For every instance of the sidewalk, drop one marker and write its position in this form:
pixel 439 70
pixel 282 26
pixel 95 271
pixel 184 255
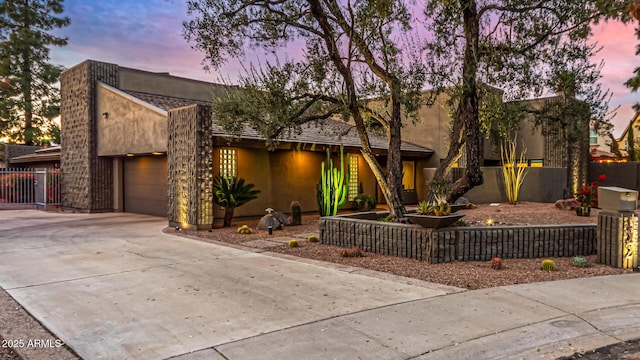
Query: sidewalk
pixel 112 286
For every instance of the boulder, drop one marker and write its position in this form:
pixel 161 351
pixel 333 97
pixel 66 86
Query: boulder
pixel 568 204
pixel 277 220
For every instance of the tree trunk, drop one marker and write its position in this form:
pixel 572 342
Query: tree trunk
pixel 228 215
pixel 466 121
pixel 390 184
pixel 26 87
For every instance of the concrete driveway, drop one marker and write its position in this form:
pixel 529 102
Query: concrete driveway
pixel 113 286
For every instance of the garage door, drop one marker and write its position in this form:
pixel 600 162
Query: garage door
pixel 145 185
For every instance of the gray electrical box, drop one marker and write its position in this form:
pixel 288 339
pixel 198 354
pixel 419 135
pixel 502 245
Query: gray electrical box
pixel 615 198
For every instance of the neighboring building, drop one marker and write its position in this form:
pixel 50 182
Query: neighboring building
pixel 601 141
pixel 623 144
pixel 41 158
pixel 11 151
pixel 145 142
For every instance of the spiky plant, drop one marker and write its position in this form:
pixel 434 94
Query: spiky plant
pixel 231 192
pixel 512 172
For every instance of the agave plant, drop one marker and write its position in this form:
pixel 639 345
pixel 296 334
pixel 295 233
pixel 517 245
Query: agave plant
pixel 231 192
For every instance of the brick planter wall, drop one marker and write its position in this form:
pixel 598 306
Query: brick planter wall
pixel 460 243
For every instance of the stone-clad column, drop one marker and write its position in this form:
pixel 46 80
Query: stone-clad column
pixel 189 157
pixel 87 181
pixel 618 239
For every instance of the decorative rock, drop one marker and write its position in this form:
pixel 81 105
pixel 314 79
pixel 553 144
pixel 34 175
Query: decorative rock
pixel 277 220
pixel 568 204
pixel 462 201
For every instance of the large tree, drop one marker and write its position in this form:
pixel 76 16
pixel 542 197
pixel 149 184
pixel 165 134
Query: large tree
pixel 29 96
pixel 505 43
pixel 357 61
pixel 634 82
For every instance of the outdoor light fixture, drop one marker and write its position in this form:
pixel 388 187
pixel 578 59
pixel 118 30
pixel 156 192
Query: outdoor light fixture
pixel 130 154
pixel 489 222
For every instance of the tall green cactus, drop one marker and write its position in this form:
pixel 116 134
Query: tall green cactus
pixel 333 187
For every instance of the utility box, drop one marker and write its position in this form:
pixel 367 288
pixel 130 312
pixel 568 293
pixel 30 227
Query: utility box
pixel 615 198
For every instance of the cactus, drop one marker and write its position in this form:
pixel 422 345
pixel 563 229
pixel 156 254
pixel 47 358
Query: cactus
pixel 579 261
pixel 244 229
pixel 333 187
pixel 425 208
pixel 296 213
pixel 442 210
pixel 293 243
pixel 548 265
pixel 313 238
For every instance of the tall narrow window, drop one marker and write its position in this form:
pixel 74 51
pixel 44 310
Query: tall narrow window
pixel 353 177
pixel 228 163
pixel 593 137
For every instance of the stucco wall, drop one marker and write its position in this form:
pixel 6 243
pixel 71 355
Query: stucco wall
pixel 431 130
pixel 540 185
pixel 127 126
pixel 283 176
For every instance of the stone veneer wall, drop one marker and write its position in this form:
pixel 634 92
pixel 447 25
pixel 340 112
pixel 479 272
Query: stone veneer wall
pixel 189 156
pixel 459 243
pixel 87 181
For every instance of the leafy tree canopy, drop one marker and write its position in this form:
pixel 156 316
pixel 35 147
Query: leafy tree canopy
pixel 358 61
pixel 517 46
pixel 29 96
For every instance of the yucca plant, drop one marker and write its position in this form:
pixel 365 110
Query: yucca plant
pixel 231 192
pixel 512 173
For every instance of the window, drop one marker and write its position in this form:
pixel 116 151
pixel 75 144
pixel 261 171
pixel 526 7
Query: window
pixel 593 137
pixel 536 163
pixel 228 163
pixel 353 177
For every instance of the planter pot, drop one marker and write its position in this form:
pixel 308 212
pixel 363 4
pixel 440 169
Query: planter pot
pixel 583 211
pixel 433 222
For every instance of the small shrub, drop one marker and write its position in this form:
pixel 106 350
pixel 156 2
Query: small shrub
pixel 459 223
pixel 579 261
pixel 293 243
pixel 496 263
pixel 387 218
pixel 313 238
pixel 353 252
pixel 244 229
pixel 425 208
pixel 548 265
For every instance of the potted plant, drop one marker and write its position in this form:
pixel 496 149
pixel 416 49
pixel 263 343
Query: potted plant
pixel 432 215
pixel 587 197
pixel 364 202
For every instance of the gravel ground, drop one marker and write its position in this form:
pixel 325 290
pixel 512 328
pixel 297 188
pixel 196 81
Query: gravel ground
pixel 17 324
pixel 468 275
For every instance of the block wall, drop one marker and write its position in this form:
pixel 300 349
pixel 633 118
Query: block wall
pixel 87 181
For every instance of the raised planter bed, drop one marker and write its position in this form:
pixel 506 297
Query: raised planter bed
pixel 457 243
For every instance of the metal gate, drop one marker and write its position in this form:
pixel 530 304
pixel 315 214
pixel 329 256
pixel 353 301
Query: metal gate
pixel 30 187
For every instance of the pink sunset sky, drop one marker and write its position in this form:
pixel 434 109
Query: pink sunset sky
pixel 147 34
